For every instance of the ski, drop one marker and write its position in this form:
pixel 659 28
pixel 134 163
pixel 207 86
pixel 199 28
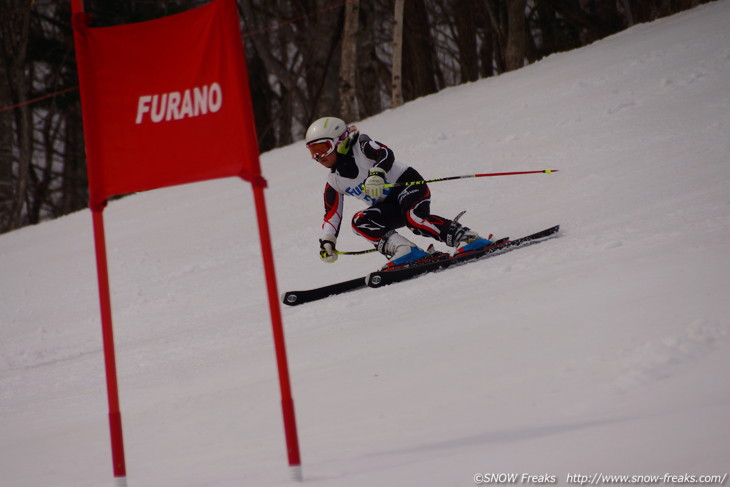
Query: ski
pixel 293 298
pixel 382 278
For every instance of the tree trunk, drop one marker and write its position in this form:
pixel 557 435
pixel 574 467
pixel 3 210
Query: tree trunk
pixel 374 76
pixel 465 15
pixel 422 73
pixel 348 64
pixel 15 28
pixel 397 83
pixel 515 50
pixel 6 160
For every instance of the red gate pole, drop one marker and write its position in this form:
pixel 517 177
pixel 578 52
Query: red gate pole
pixel 115 415
pixel 287 402
pixel 102 270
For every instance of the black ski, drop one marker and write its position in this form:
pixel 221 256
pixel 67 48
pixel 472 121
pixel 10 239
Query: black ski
pixel 292 298
pixel 381 278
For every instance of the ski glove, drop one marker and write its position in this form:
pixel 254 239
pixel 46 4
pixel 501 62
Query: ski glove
pixel 327 250
pixel 375 183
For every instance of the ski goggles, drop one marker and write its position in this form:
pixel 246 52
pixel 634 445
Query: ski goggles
pixel 321 148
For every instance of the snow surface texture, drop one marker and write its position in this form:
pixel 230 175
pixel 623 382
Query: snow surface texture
pixel 605 350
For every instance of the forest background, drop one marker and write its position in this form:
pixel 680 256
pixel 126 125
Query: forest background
pixel 305 58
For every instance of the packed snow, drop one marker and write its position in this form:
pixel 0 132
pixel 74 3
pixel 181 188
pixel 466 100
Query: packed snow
pixel 604 351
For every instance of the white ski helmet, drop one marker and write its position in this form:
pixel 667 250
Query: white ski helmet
pixel 324 135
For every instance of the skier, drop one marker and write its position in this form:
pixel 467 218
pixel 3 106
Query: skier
pixel 360 167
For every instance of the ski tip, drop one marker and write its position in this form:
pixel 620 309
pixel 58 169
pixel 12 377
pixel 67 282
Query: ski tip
pixel 551 232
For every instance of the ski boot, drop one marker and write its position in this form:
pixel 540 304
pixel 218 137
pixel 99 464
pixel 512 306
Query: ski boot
pixel 400 251
pixel 465 239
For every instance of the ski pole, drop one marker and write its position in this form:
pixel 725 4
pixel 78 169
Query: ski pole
pixel 354 252
pixel 448 178
pixel 467 176
pixel 345 252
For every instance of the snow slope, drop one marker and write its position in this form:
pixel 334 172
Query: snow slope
pixel 603 351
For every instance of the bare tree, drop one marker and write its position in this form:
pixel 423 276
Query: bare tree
pixel 374 57
pixel 348 63
pixel 15 30
pixel 7 157
pixel 422 72
pixel 515 51
pixel 397 69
